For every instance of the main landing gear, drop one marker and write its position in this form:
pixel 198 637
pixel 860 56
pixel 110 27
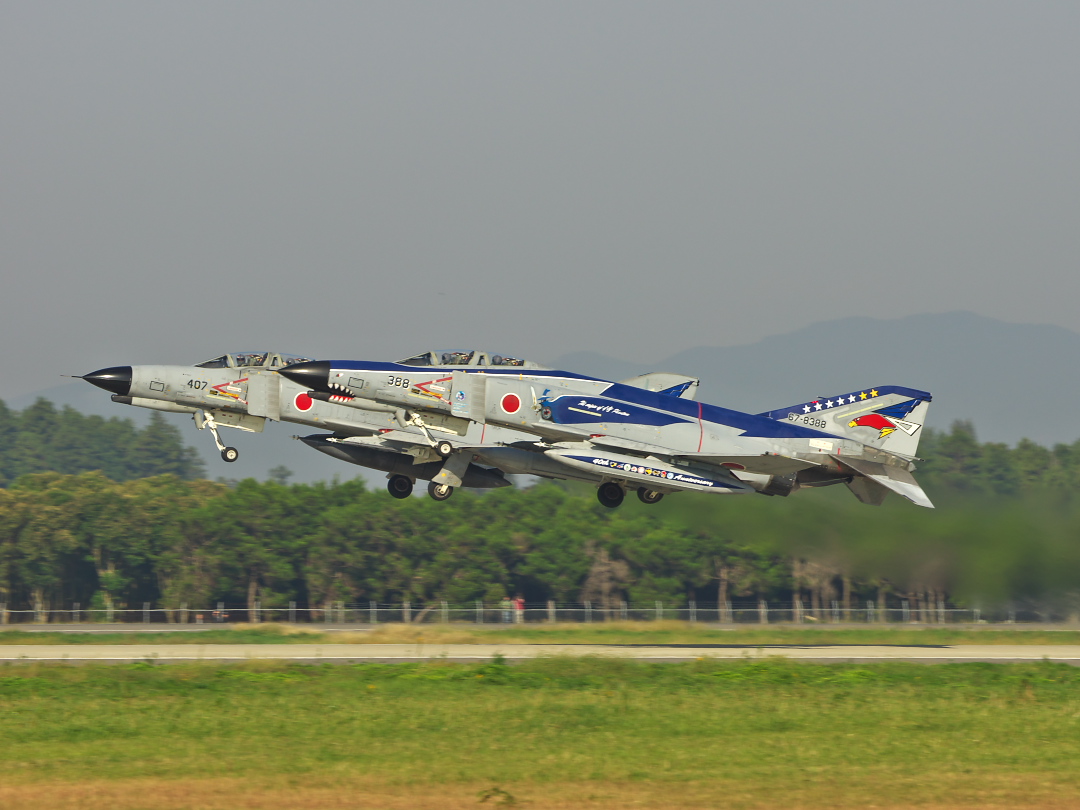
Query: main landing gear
pixel 439 492
pixel 229 454
pixel 400 486
pixel 610 494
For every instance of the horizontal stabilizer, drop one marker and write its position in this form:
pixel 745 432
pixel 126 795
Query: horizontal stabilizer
pixel 895 479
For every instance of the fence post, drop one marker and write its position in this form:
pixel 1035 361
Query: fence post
pixel 551 611
pixel 479 612
pixel 292 612
pixel 659 610
pixel 183 613
pixel 693 611
pixel 763 611
pixel 623 613
pixel 445 612
pixel 835 612
pixel 146 613
pixel 373 612
pixel 588 611
pixel 341 612
pixel 75 612
pixel 941 611
pixel 3 613
pixel 255 612
pixel 406 612
pixel 905 611
pixel 870 618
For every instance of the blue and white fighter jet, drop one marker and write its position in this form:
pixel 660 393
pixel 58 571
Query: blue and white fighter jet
pixel 647 434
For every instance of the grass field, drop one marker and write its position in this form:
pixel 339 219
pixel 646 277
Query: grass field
pixel 662 632
pixel 551 733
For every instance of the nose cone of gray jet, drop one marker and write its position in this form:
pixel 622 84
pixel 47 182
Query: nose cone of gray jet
pixel 116 380
pixel 314 374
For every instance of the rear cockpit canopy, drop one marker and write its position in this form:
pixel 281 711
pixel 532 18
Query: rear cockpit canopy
pixel 472 358
pixel 253 360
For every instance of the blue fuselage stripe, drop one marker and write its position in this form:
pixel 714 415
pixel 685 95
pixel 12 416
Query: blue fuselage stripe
pixel 671 409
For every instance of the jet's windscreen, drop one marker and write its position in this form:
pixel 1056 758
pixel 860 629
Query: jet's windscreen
pixel 461 358
pixel 253 360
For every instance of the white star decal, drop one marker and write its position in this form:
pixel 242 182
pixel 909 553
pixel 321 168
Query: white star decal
pixel 817 406
pixel 806 409
pixel 851 398
pixel 828 404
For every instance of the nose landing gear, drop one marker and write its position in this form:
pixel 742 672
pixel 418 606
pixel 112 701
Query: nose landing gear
pixel 205 419
pixel 649 495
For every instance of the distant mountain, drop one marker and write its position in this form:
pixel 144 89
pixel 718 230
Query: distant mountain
pixel 1010 379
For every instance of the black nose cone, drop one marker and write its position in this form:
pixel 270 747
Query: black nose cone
pixel 116 380
pixel 314 374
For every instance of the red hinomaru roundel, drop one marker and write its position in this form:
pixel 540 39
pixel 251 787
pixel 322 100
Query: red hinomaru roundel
pixel 511 403
pixel 302 402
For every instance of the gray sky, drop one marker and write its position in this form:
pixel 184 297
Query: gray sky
pixel 371 179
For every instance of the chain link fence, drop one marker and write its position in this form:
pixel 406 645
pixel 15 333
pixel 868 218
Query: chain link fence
pixel 373 613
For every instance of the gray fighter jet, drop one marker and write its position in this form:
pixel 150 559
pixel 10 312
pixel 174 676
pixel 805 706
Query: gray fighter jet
pixel 646 434
pixel 243 390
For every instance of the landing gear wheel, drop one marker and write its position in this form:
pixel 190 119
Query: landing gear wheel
pixel 444 449
pixel 230 454
pixel 649 495
pixel 545 413
pixel 610 494
pixel 399 486
pixel 439 492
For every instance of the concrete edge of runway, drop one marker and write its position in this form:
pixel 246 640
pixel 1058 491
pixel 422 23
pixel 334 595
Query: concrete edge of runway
pixel 514 653
pixel 1075 662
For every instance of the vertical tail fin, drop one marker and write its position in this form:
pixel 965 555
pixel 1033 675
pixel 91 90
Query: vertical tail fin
pixel 887 418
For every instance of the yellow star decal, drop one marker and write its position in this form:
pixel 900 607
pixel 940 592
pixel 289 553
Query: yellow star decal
pixel 862 395
pixel 873 393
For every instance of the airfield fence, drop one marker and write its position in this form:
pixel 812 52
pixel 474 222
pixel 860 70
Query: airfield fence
pixel 373 613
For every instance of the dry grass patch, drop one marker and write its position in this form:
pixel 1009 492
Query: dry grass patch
pixel 936 792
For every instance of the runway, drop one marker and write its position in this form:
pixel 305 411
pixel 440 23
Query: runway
pixel 397 653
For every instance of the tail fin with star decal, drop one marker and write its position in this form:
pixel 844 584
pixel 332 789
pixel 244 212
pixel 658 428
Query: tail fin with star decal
pixel 888 417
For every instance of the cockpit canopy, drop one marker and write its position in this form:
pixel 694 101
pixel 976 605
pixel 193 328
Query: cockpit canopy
pixel 253 360
pixel 469 358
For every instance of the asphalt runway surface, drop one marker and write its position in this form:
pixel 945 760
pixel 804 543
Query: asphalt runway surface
pixel 398 653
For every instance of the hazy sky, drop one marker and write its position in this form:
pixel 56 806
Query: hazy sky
pixel 370 179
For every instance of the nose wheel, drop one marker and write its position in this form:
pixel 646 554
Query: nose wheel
pixel 610 494
pixel 400 486
pixel 649 495
pixel 205 419
pixel 439 492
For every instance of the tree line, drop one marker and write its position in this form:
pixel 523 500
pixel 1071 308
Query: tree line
pixel 42 438
pixel 120 540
